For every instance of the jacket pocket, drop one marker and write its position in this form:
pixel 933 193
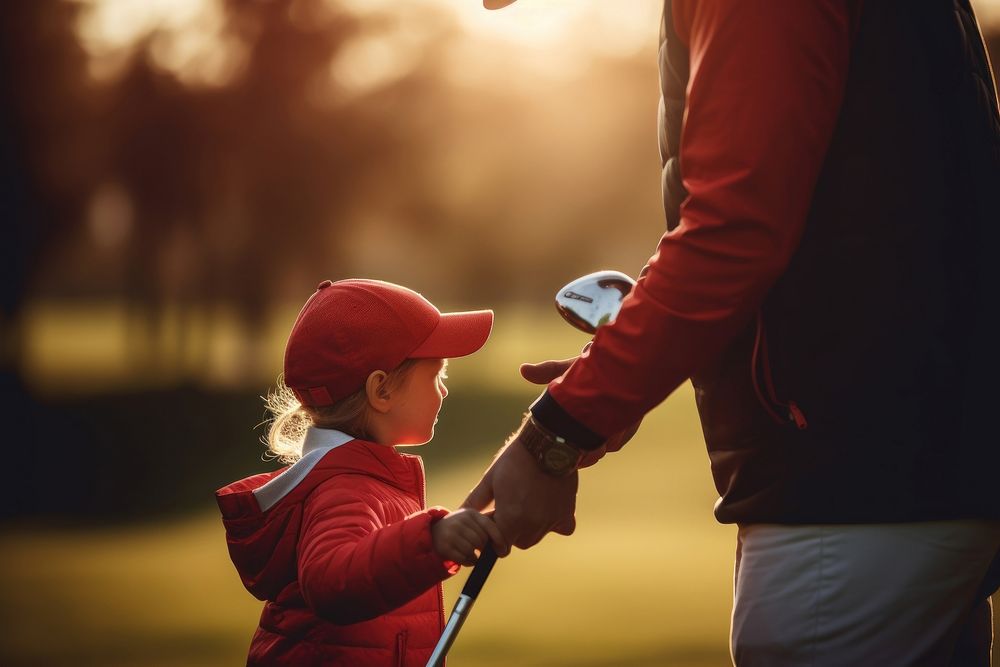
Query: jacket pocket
pixel 401 649
pixel 781 411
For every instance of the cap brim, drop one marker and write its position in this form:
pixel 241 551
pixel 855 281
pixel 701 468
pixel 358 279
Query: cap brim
pixel 456 335
pixel 497 4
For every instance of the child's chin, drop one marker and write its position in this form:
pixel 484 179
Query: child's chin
pixel 417 441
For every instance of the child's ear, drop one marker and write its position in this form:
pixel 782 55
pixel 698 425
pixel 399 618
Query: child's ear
pixel 377 391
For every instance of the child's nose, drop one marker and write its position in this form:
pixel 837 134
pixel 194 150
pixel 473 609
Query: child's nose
pixel 443 389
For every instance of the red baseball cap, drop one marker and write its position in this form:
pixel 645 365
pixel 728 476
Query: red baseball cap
pixel 351 328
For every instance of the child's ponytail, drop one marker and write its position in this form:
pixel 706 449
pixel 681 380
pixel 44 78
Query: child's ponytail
pixel 291 419
pixel 288 424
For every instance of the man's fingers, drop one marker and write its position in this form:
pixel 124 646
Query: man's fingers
pixel 511 529
pixel 529 540
pixel 545 371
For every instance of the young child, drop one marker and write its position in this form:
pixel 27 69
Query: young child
pixel 339 544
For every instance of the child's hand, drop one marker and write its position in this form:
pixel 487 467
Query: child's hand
pixel 458 535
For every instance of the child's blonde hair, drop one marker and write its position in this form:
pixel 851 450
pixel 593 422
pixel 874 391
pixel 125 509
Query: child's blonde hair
pixel 290 419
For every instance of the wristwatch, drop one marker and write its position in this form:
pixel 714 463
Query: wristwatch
pixel 554 454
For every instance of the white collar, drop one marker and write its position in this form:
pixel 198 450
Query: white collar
pixel 317 443
pixel 324 439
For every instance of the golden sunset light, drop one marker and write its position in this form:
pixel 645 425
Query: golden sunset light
pixel 181 176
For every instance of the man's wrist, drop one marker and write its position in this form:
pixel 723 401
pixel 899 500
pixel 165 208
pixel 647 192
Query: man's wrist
pixel 552 416
pixel 553 453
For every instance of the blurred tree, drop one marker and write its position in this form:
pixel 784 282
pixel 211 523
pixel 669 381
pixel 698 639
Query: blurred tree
pixel 234 186
pixel 41 148
pixel 177 195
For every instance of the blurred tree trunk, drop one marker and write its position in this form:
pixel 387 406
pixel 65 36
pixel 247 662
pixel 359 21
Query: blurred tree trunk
pixel 22 224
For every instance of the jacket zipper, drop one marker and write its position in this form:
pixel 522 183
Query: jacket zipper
pixel 401 649
pixel 769 400
pixel 423 506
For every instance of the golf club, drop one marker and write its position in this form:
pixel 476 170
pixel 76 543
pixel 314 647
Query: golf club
pixel 593 300
pixel 470 591
pixel 587 303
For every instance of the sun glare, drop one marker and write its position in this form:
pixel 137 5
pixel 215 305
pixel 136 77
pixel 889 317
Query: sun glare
pixel 599 25
pixel 190 39
pixel 521 46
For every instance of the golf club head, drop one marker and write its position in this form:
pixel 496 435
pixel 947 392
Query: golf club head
pixel 593 300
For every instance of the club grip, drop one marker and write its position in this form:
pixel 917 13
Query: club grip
pixel 474 584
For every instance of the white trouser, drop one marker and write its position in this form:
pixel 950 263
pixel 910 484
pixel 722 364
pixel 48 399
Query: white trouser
pixel 858 595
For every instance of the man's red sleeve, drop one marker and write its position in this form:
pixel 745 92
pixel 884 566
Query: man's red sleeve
pixel 765 88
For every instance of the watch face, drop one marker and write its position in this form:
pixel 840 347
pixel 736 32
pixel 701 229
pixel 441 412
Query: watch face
pixel 559 460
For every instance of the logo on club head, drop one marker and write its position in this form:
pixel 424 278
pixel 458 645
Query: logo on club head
pixel 570 294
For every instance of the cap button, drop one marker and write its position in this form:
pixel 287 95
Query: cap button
pixel 324 284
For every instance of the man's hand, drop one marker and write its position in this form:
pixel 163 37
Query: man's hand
pixel 546 371
pixel 529 503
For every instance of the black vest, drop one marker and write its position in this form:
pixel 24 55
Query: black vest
pixel 882 334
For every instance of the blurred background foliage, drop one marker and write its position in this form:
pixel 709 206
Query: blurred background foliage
pixel 177 175
pixel 185 171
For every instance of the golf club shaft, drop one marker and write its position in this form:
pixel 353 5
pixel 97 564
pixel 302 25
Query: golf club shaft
pixel 602 294
pixel 474 584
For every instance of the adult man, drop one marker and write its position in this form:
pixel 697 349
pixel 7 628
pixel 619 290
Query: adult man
pixel 827 282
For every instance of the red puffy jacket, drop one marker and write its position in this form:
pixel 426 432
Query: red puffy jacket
pixel 339 547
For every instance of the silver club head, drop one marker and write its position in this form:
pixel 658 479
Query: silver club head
pixel 593 300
